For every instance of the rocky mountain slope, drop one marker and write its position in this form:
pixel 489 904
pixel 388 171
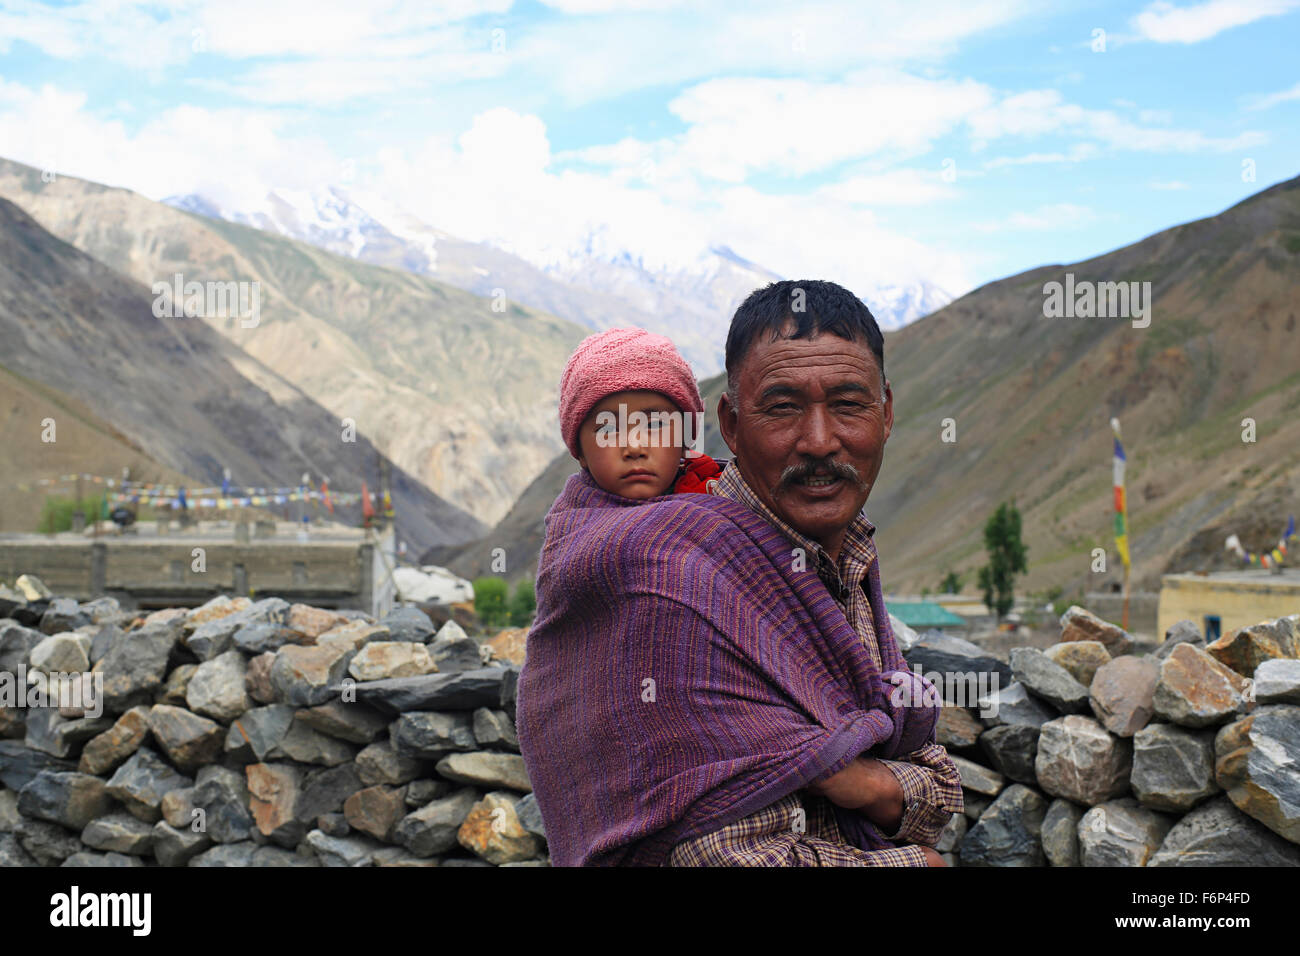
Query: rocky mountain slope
pixel 459 395
pixel 79 343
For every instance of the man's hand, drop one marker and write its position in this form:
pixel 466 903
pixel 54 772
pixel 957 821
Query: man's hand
pixel 865 785
pixel 932 858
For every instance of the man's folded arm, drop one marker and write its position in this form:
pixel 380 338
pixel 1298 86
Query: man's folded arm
pixel 793 831
pixel 931 793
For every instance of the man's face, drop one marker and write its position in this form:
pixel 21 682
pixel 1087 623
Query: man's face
pixel 642 462
pixel 810 428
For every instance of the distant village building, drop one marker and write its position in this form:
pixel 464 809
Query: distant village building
pixel 1223 601
pixel 922 616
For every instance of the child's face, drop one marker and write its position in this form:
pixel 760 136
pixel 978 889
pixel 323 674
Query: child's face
pixel 641 459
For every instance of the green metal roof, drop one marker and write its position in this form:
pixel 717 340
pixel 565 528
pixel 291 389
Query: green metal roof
pixel 924 614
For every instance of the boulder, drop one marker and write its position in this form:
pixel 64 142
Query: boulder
pixel 1256 763
pixel 305 745
pixel 494 728
pixel 1121 833
pixel 486 769
pixel 68 799
pixel 977 777
pixel 1195 690
pixel 343 851
pixel 307 676
pixel 217 688
pixel 1217 834
pixel 1245 649
pixel 48 843
pixel 380 763
pixel 312 622
pixel 1060 834
pixel 492 831
pixel 134 668
pixel 142 782
pixel 956 727
pixel 173 847
pixel 63 614
pixel 325 791
pixel 354 722
pixel 376 811
pixel 1013 704
pixel 257 678
pixel 19 764
pixel 1173 767
pixel 1009 831
pixel 1184 632
pixel 188 740
pixel 1080 624
pixel 222 794
pixel 1011 749
pixel 408 624
pixel 967 664
pixel 1048 680
pixel 257 732
pixel 467 690
pixel 1122 694
pixel 273 793
pixel 61 653
pixel 177 685
pixel 1080 658
pixel 384 659
pixel 121 833
pixel 430 735
pixel 1277 682
pixel 433 828
pixel 1078 759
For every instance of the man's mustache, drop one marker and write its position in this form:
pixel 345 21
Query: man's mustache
pixel 829 468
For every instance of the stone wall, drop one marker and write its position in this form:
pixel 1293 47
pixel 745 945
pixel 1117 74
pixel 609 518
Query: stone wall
pixel 269 734
pixel 1092 753
pixel 259 733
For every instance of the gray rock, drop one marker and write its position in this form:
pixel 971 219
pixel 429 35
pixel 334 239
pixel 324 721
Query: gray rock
pixel 119 832
pixel 275 856
pixel 466 690
pixel 453 650
pixel 1122 694
pixel 274 791
pixel 59 736
pixel 306 745
pixel 1012 704
pixel 343 851
pixel 530 815
pixel 103 609
pixel 48 843
pixel 109 750
pixel 953 832
pixel 176 686
pixel 69 799
pixel 217 688
pixel 1008 833
pixel 135 667
pixel 432 829
pixel 88 858
pixel 12 852
pixel 259 731
pixel 19 764
pixel 429 735
pixel 60 653
pixel 1257 761
pixel 261 637
pixel 486 769
pixel 957 727
pixel 1080 658
pixel 408 624
pixel 1184 632
pixel 227 854
pixel 213 638
pixel 1080 760
pixel 420 792
pixel 380 763
pixel 325 791
pixel 333 824
pixel 1048 680
pixel 1173 767
pixel 494 728
pixel 974 804
pixel 16 645
pixel 173 847
pixel 1061 833
pixel 105 637
pixel 949 655
pixel 1011 749
pixel 9 815
pixel 222 795
pixel 354 722
pixel 1277 681
pixel 1121 833
pixel 142 782
pixel 976 777
pixel 10 600
pixel 1218 834
pixel 63 614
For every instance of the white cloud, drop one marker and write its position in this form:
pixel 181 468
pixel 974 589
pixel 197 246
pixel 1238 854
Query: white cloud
pixel 1163 22
pixel 899 187
pixel 1076 154
pixel 1054 217
pixel 1273 99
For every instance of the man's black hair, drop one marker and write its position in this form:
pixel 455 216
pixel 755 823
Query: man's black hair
pixel 826 308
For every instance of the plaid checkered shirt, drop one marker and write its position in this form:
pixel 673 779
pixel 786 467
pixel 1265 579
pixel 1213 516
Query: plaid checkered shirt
pixel 800 829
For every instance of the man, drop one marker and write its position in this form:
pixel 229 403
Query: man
pixel 806 413
pixel 707 673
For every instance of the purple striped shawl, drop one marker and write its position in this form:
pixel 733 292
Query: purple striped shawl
pixel 759 683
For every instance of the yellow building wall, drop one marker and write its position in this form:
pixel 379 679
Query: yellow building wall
pixel 1237 603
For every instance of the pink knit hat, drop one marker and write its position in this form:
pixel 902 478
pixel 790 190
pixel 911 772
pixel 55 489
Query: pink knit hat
pixel 619 360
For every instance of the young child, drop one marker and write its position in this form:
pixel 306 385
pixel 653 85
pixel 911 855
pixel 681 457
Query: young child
pixel 628 406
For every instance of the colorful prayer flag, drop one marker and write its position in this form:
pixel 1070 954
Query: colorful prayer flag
pixel 1121 502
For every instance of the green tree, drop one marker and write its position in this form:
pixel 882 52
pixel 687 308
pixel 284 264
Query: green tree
pixel 523 603
pixel 1006 558
pixel 490 601
pixel 951 583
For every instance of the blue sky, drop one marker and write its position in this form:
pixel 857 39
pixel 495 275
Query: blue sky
pixel 956 142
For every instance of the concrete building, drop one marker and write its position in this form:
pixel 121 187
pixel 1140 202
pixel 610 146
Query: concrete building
pixel 1228 600
pixel 165 566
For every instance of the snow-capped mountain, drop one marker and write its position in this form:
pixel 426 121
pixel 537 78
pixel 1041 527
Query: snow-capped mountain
pixel 596 282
